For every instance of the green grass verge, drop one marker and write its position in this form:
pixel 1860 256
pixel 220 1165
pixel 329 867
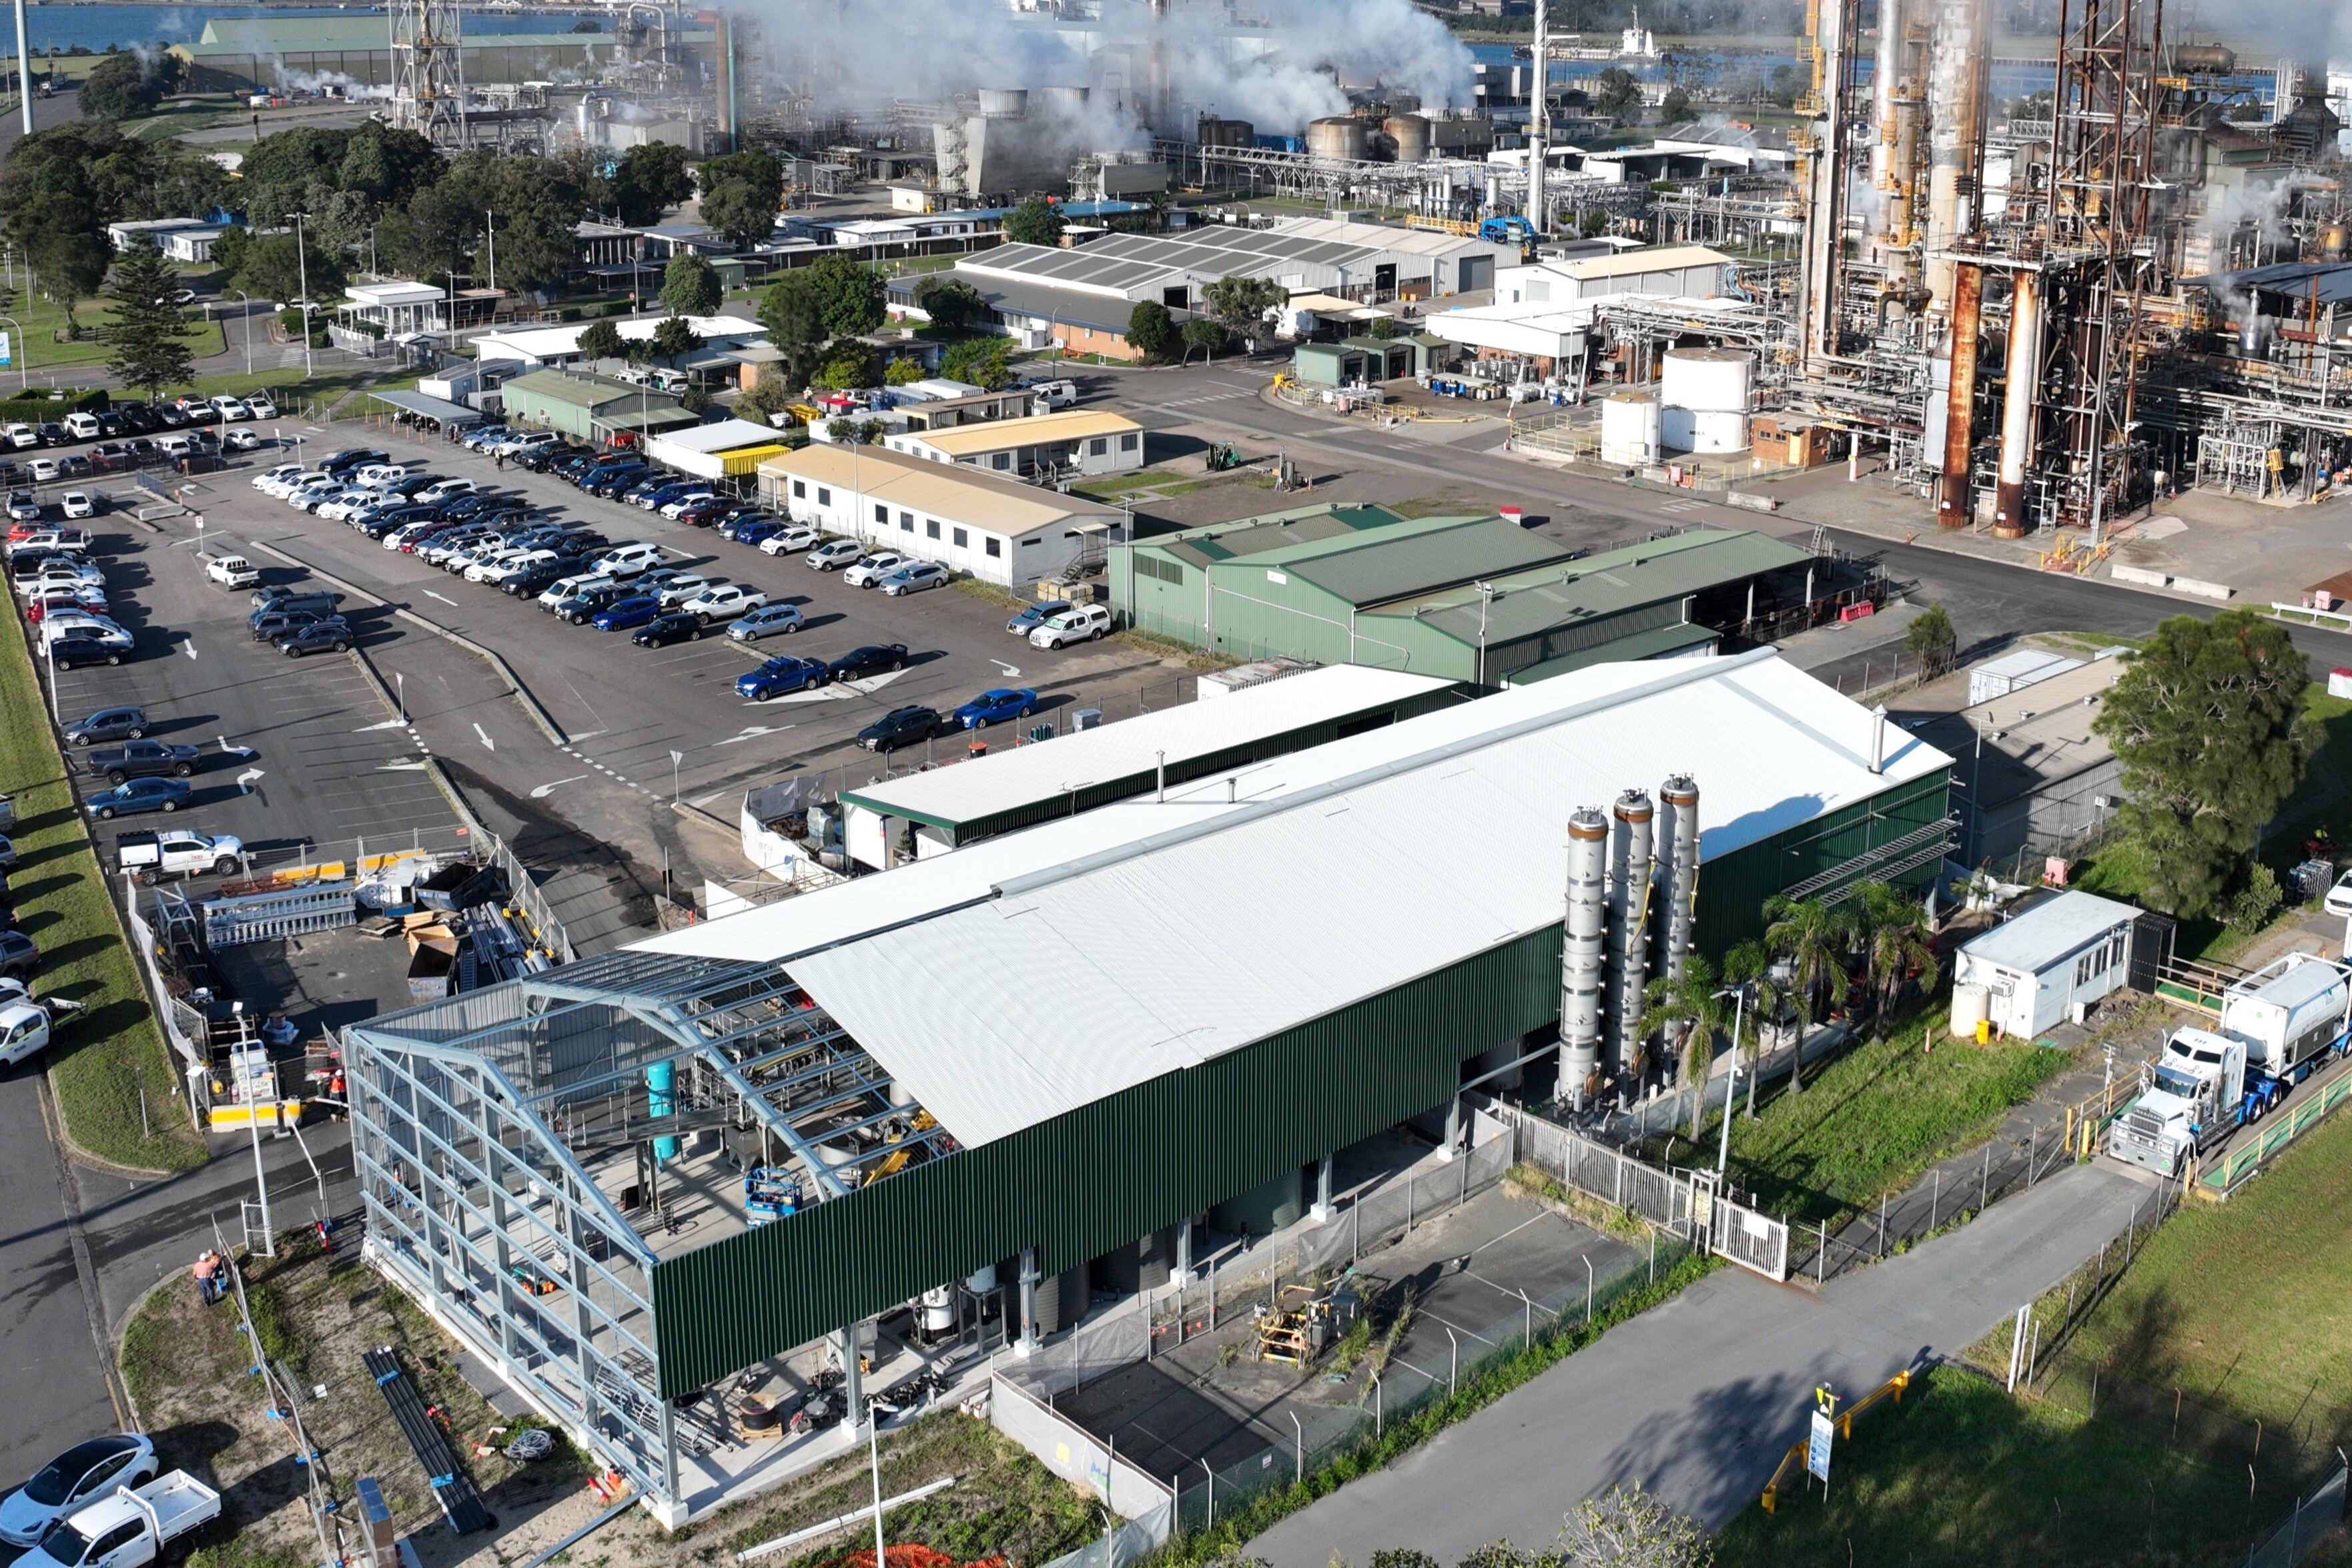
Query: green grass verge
pixel 37 349
pixel 112 1049
pixel 1223 1541
pixel 1876 1119
pixel 1963 1476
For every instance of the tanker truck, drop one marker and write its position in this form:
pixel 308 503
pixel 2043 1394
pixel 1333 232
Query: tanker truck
pixel 2276 1026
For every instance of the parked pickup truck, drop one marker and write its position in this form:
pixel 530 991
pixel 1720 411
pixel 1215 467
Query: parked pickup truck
pixel 128 1529
pixel 142 760
pixel 152 857
pixel 28 1023
pixel 231 571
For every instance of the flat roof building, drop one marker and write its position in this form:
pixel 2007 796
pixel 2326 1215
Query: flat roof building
pixel 987 1070
pixel 1692 271
pixel 731 448
pixel 587 407
pixel 958 806
pixel 999 530
pixel 1045 446
pixel 560 346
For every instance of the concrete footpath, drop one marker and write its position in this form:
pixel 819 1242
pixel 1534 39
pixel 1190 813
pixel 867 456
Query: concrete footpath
pixel 1699 1399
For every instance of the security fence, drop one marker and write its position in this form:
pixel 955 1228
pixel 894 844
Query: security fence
pixel 2314 1518
pixel 1073 1453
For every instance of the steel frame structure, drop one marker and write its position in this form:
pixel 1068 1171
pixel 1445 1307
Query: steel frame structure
pixel 428 94
pixel 473 1119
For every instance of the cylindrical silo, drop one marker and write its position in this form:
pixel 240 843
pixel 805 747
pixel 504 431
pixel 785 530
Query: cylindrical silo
pixel 2017 405
pixel 1716 431
pixel 1632 429
pixel 1628 942
pixel 1707 380
pixel 1678 869
pixel 1003 102
pixel 1336 136
pixel 1070 100
pixel 1410 134
pixel 660 1079
pixel 1581 953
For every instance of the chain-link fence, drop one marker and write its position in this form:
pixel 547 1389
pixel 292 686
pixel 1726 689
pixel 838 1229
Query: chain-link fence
pixel 2313 1518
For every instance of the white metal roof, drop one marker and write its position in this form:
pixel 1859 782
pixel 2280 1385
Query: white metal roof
pixel 1172 933
pixel 554 342
pixel 1021 775
pixel 2050 932
pixel 724 436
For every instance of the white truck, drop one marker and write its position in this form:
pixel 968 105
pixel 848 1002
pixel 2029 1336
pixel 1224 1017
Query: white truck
pixel 152 857
pixel 2276 1026
pixel 128 1529
pixel 231 571
pixel 28 1023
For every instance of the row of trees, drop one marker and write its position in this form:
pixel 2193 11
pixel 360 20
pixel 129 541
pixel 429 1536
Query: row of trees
pixel 60 187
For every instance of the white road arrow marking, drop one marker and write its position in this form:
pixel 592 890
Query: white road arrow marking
pixel 542 791
pixel 247 753
pixel 1009 672
pixel 245 780
pixel 822 694
pixel 401 768
pixel 431 595
pixel 877 682
pixel 485 734
pixel 189 648
pixel 755 729
pixel 387 725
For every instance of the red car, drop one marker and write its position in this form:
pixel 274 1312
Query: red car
pixel 709 512
pixel 38 608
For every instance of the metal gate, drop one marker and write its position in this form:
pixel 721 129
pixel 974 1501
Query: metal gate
pixel 1748 1237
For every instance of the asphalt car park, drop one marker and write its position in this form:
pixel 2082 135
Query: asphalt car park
pixel 292 754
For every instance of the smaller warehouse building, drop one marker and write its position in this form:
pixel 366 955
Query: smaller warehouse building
pixel 1472 599
pixel 2050 963
pixel 732 449
pixel 1354 362
pixel 999 530
pixel 1046 446
pixel 1683 271
pixel 924 815
pixel 588 408
pixel 560 346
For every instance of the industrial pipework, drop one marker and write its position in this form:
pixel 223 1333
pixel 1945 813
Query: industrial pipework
pixel 1581 953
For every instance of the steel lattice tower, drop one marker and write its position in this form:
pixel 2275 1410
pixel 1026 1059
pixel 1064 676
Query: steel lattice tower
pixel 429 79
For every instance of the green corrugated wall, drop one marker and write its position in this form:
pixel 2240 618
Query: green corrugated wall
pixel 1104 1174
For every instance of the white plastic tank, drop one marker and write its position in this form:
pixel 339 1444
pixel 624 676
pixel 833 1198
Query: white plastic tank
pixel 1337 136
pixel 1631 428
pixel 1707 380
pixel 939 1309
pixel 1972 1005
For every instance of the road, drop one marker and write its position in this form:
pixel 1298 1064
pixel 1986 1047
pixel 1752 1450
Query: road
pixel 1698 1399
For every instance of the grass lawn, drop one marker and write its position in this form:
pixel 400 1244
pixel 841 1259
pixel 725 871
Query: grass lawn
pixel 1876 1119
pixel 37 349
pixel 111 1048
pixel 1141 486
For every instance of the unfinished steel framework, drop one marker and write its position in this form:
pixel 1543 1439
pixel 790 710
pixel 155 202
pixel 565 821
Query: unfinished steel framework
pixel 428 92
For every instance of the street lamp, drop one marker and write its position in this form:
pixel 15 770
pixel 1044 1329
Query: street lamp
pixel 1485 598
pixel 302 272
pixel 1730 1089
pixel 248 328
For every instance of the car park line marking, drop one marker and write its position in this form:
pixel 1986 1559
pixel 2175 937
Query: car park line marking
pixel 416 768
pixel 485 734
pixel 542 791
pixel 387 725
pixel 752 733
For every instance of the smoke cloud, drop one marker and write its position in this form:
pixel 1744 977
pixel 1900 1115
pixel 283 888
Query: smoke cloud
pixel 1277 69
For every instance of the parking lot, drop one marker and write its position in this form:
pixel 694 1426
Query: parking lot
pixel 621 710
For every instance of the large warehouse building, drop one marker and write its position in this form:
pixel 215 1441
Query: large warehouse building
pixel 981 1073
pixel 1468 598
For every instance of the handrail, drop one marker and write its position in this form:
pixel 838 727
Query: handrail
pixel 1894 1386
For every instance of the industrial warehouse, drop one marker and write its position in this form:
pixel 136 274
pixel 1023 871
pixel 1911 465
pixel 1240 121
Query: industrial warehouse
pixel 638 1176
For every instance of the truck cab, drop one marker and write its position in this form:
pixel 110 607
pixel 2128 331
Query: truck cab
pixel 2196 1092
pixel 151 856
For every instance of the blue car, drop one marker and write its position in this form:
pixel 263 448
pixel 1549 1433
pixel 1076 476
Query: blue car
pixel 139 795
pixel 661 495
pixel 781 675
pixel 752 530
pixel 1035 616
pixel 627 614
pixel 996 706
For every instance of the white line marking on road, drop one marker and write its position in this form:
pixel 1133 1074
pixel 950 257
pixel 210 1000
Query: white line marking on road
pixel 245 753
pixel 245 780
pixel 189 648
pixel 752 731
pixel 542 791
pixel 485 734
pixel 387 725
pixel 1011 673
pixel 431 595
pixel 417 767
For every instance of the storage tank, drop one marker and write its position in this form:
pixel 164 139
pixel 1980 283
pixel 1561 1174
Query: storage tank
pixel 1581 952
pixel 1630 849
pixel 2208 60
pixel 1003 102
pixel 1219 132
pixel 1693 430
pixel 1070 100
pixel 1707 380
pixel 1630 431
pixel 1410 134
pixel 1972 1005
pixel 1677 871
pixel 1337 136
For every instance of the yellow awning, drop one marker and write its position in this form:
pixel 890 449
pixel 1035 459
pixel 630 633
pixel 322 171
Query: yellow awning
pixel 747 459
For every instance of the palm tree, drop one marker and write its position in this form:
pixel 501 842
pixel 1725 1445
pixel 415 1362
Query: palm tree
pixel 1684 1015
pixel 1814 940
pixel 1748 967
pixel 1895 945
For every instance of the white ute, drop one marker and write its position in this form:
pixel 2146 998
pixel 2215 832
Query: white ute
pixel 152 857
pixel 231 571
pixel 128 1529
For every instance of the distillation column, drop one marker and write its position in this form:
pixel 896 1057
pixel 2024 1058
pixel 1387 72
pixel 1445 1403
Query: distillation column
pixel 1967 306
pixel 1538 123
pixel 2018 398
pixel 1580 960
pixel 1677 873
pixel 1825 184
pixel 1629 920
pixel 1956 89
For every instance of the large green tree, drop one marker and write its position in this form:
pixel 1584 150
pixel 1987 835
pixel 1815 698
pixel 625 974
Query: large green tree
pixel 66 247
pixel 741 193
pixel 534 204
pixel 117 88
pixel 794 317
pixel 2207 726
pixel 984 362
pixel 274 267
pixel 1035 222
pixel 648 181
pixel 1812 940
pixel 106 177
pixel 690 285
pixel 601 341
pixel 388 165
pixel 675 338
pixel 147 342
pixel 278 171
pixel 1242 302
pixel 951 303
pixel 1150 330
pixel 1204 333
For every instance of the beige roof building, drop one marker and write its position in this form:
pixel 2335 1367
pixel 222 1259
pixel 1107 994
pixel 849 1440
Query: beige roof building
pixel 1047 446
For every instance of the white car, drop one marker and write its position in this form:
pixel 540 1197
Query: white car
pixel 688 502
pixel 565 588
pixel 870 570
pixel 834 555
pixel 528 442
pixel 260 408
pixel 447 489
pixel 229 407
pixel 44 470
pixel 338 507
pixel 1079 623
pixel 795 537
pixel 494 566
pixel 23 508
pixel 21 435
pixel 300 479
pixel 268 476
pixel 375 476
pixel 673 594
pixel 242 440
pixel 724 602
pixel 310 498
pixel 2339 896
pixel 54 626
pixel 515 566
pixel 77 503
pixel 83 1472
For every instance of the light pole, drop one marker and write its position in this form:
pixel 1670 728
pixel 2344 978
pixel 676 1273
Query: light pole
pixel 874 1456
pixel 23 354
pixel 248 328
pixel 302 272
pixel 1738 1009
pixel 491 235
pixel 25 71
pixel 1485 598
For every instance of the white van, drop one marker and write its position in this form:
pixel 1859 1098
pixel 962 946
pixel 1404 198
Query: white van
pixel 82 426
pixel 566 588
pixel 175 445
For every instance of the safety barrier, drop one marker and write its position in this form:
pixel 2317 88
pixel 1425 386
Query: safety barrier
pixel 267 917
pixel 2237 1167
pixel 1894 1386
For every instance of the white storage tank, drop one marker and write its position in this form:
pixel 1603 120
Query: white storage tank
pixel 1631 428
pixel 1707 380
pixel 1972 1005
pixel 1707 431
pixel 1003 102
